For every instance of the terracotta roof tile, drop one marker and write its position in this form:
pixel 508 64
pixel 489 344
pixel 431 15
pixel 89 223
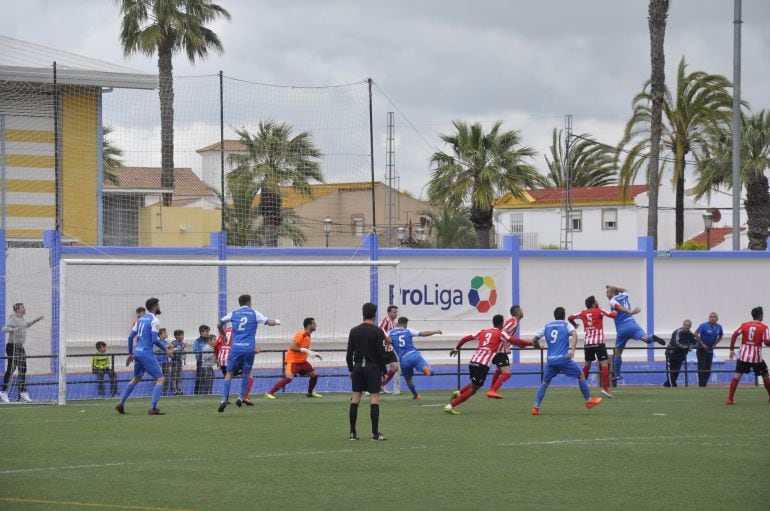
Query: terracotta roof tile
pixel 230 145
pixel 186 183
pixel 592 194
pixel 717 236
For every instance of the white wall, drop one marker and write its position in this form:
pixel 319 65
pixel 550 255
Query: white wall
pixel 211 168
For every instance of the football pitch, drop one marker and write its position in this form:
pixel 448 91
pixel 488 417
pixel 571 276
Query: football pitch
pixel 649 448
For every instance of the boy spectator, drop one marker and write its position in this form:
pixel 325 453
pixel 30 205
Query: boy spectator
pixel 177 361
pixel 163 360
pixel 198 345
pixel 208 360
pixel 101 364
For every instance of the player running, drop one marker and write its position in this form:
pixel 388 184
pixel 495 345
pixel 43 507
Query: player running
pixel 501 358
pixel 595 349
pixel 387 324
pixel 753 334
pixel 410 359
pixel 489 343
pixel 245 321
pixel 296 361
pixel 626 326
pixel 145 331
pixel 222 348
pixel 562 339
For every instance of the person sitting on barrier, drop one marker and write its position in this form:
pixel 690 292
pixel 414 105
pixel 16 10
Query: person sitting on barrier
pixel 101 364
pixel 682 340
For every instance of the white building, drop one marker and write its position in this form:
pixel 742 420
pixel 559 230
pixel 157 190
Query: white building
pixel 211 162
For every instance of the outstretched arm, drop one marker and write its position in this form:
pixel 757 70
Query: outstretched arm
pixel 428 333
pixel 462 341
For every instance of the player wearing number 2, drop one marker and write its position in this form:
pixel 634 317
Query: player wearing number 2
pixel 594 347
pixel 562 339
pixel 753 333
pixel 410 359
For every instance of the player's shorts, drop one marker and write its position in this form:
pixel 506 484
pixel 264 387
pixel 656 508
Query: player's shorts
pixel 147 364
pixel 390 357
pixel 412 363
pixel 366 379
pixel 628 331
pixel 561 366
pixel 759 368
pixel 298 369
pixel 478 373
pixel 596 352
pixel 501 360
pixel 242 361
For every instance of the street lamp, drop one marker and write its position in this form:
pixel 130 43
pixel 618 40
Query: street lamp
pixel 327 229
pixel 708 221
pixel 401 233
pixel 420 234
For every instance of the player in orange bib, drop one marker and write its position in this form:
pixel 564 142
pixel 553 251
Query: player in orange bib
pixel 296 361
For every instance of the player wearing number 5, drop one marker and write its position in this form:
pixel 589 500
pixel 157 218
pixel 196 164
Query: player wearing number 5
pixel 753 333
pixel 562 339
pixel 411 360
pixel 245 321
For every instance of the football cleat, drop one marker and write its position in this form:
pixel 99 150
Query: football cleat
pixel 383 390
pixel 451 411
pixel 222 406
pixel 730 402
pixel 314 394
pixel 155 411
pixel 418 397
pixel 247 402
pixel 594 401
pixel 494 395
pixel 535 410
pixel 269 396
pixel 607 393
pixel 239 402
pixel 658 340
pixel 24 396
pixel 120 409
pixel 378 437
pixel 353 436
pixel 4 397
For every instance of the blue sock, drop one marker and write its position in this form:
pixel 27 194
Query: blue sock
pixel 584 389
pixel 411 387
pixel 540 394
pixel 226 389
pixel 126 392
pixel 618 363
pixel 157 390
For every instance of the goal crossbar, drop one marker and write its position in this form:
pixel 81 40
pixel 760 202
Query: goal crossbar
pixel 217 262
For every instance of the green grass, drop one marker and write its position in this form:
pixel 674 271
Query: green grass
pixel 649 448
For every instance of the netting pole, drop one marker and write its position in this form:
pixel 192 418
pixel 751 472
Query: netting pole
pixel 52 241
pixel 219 241
pixel 2 177
pixel 374 276
pixel 646 244
pixel 222 150
pixel 62 359
pixel 2 277
pixel 99 171
pixel 515 248
pixel 57 151
pixel 371 157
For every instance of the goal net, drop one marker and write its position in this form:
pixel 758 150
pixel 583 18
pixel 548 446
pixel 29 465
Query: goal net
pixel 99 298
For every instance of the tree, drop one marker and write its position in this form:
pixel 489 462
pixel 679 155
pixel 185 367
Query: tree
pixel 479 167
pixel 714 170
pixel 275 158
pixel 700 104
pixel 656 20
pixel 450 227
pixel 591 163
pixel 111 158
pixel 167 27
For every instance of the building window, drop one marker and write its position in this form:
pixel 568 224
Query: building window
pixel 609 219
pixel 576 220
pixel 517 223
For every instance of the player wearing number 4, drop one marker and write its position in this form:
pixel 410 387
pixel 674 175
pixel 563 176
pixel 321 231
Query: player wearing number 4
pixel 410 359
pixel 245 321
pixel 296 360
pixel 562 339
pixel 754 334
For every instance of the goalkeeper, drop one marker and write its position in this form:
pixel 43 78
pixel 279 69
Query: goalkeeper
pixel 296 360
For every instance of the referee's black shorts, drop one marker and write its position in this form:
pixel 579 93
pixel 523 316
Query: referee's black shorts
pixel 366 379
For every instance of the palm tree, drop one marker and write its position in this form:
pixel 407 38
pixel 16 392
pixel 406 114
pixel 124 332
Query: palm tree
pixel 275 158
pixel 656 19
pixel 111 158
pixel 700 104
pixel 591 163
pixel 715 170
pixel 450 227
pixel 166 27
pixel 480 167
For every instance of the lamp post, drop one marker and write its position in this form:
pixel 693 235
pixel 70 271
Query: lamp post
pixel 327 229
pixel 708 221
pixel 409 237
pixel 420 235
pixel 401 233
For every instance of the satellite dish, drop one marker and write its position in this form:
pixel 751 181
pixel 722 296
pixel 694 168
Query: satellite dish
pixel 716 215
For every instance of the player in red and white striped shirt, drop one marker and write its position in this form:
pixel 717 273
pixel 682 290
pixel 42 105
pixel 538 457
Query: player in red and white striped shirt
pixel 222 348
pixel 501 358
pixel 387 324
pixel 489 343
pixel 594 347
pixel 754 334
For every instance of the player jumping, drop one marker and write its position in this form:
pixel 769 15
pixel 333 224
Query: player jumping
pixel 296 361
pixel 410 359
pixel 595 349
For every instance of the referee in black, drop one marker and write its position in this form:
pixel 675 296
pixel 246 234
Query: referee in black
pixel 366 365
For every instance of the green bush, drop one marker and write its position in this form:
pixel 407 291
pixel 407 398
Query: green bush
pixel 692 245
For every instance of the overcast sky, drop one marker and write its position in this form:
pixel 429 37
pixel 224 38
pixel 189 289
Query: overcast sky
pixel 524 62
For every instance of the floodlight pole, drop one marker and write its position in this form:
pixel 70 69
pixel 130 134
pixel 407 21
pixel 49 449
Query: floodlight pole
pixel 737 125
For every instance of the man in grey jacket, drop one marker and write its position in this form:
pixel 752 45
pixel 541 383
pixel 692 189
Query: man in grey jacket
pixel 16 328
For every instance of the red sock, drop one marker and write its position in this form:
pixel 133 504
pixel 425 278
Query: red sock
pixel 248 387
pixel 388 377
pixel 499 383
pixel 467 387
pixel 605 378
pixel 464 395
pixel 495 376
pixel 278 386
pixel 766 381
pixel 586 370
pixel 733 386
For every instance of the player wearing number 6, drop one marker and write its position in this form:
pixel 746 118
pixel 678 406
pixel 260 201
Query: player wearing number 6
pixel 410 359
pixel 754 333
pixel 296 360
pixel 245 321
pixel 562 339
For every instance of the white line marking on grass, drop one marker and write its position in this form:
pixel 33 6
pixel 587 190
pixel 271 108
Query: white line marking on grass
pixel 88 504
pixel 623 440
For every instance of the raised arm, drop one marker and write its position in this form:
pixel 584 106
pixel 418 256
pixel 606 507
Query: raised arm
pixel 460 343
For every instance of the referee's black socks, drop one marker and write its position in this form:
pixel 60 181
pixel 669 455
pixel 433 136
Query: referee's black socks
pixel 375 414
pixel 353 416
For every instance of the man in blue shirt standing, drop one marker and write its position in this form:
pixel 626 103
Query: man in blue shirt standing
pixel 145 331
pixel 409 358
pixel 561 339
pixel 710 334
pixel 245 321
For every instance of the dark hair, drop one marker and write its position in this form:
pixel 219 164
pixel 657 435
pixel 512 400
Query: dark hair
pixel 140 310
pixel 151 303
pixel 202 328
pixel 757 313
pixel 17 306
pixel 100 344
pixel 514 308
pixel 403 320
pixel 161 330
pixel 590 301
pixel 558 313
pixel 498 320
pixel 391 307
pixel 244 299
pixel 306 323
pixel 178 332
pixel 369 310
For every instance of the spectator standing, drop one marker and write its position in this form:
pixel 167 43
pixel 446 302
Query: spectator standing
pixel 101 364
pixel 177 362
pixel 208 360
pixel 162 357
pixel 16 328
pixel 198 345
pixel 710 334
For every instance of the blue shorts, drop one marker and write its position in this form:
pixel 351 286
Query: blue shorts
pixel 561 366
pixel 147 363
pixel 628 331
pixel 412 363
pixel 242 361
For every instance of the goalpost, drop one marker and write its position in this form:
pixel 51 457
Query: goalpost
pixel 98 299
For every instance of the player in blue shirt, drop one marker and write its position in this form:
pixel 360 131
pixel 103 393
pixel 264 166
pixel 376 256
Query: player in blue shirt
pixel 245 321
pixel 626 327
pixel 710 334
pixel 145 331
pixel 409 358
pixel 561 338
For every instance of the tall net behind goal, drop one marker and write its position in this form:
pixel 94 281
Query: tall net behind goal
pixel 99 299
